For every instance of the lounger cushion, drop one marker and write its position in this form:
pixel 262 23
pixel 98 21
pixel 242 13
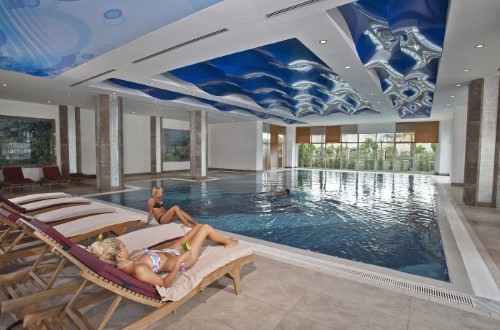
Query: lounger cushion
pixel 90 223
pixel 53 202
pixel 77 211
pixel 112 274
pixel 38 197
pixel 211 259
pixel 152 236
pixel 52 233
pixel 12 216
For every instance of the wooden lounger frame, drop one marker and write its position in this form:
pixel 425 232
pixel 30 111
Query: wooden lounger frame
pixel 163 308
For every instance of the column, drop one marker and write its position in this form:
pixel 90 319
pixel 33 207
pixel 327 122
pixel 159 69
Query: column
pixel 198 144
pixel 153 144
pixel 483 141
pixel 109 138
pixel 69 122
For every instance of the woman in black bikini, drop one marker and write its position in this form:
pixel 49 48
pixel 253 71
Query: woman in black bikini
pixel 158 212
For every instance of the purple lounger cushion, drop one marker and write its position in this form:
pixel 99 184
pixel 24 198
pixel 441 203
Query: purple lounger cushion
pixel 112 274
pixel 52 233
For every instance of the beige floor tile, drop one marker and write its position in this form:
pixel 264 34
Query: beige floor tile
pixel 295 322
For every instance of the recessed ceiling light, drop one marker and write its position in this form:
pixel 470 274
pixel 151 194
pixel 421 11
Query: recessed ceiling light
pixel 458 85
pixel 452 95
pixel 114 93
pixel 155 100
pixel 323 42
pixel 4 85
pixel 151 83
pixel 447 104
pixel 466 70
pixel 479 46
pixel 187 106
pixel 371 94
pixel 48 101
pixel 379 102
pixel 194 93
pixel 69 94
pixel 133 111
pixel 347 67
pixel 160 108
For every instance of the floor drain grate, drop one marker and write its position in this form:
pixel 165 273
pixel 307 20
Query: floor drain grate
pixel 425 289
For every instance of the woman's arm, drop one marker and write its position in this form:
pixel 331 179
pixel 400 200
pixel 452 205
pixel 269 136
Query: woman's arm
pixel 169 279
pixel 151 203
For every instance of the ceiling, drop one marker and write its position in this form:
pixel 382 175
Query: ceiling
pixel 383 60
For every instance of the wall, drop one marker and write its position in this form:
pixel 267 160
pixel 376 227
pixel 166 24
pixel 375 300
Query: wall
pixel 136 144
pixel 87 126
pixel 236 146
pixel 33 110
pixel 443 156
pixel 175 124
pixel 459 129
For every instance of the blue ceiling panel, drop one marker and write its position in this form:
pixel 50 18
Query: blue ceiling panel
pixel 402 42
pixel 47 38
pixel 168 95
pixel 285 75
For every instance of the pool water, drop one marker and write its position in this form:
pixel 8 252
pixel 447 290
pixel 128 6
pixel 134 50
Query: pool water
pixel 389 220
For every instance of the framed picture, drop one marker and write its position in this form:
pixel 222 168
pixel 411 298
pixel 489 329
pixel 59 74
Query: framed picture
pixel 175 145
pixel 26 141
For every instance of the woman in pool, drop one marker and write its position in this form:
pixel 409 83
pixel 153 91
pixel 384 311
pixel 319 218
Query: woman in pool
pixel 144 264
pixel 157 211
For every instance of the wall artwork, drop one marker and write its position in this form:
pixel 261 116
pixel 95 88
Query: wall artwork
pixel 27 141
pixel 175 145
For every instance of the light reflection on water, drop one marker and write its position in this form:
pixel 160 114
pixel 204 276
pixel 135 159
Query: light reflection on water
pixel 382 219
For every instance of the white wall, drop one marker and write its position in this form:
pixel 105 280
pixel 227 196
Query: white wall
pixel 175 124
pixel 236 146
pixel 33 110
pixel 136 144
pixel 443 157
pixel 87 126
pixel 459 129
pixel 291 150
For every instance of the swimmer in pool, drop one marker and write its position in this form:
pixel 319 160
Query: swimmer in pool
pixel 158 212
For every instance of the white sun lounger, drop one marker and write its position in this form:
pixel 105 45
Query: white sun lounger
pixel 73 212
pixel 38 197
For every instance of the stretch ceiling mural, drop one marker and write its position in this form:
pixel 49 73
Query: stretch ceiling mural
pixel 167 95
pixel 285 75
pixel 402 41
pixel 47 38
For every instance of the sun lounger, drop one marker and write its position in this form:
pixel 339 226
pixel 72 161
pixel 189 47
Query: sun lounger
pixel 82 177
pixel 52 175
pixel 41 206
pixel 56 242
pixel 37 197
pixel 14 176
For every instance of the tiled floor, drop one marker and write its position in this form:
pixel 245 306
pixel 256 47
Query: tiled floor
pixel 279 295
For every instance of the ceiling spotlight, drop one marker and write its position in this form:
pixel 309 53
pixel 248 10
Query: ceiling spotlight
pixel 194 93
pixel 371 94
pixel 347 67
pixel 48 101
pixel 114 93
pixel 187 106
pixel 322 42
pixel 458 85
pixel 479 46
pixel 466 70
pixel 452 95
pixel 133 111
pixel 447 104
pixel 4 85
pixel 151 83
pixel 379 102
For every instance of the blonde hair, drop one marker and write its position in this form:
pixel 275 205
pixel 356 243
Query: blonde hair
pixel 106 250
pixel 156 189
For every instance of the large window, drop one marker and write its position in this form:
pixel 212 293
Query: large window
pixel 392 152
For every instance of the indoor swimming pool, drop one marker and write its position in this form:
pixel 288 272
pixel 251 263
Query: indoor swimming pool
pixel 388 220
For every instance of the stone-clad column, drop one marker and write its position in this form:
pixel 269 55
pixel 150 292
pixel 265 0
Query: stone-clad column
pixel 109 142
pixel 482 143
pixel 64 138
pixel 152 124
pixel 198 144
pixel 69 121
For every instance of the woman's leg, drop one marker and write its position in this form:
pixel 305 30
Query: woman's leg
pixel 176 212
pixel 197 236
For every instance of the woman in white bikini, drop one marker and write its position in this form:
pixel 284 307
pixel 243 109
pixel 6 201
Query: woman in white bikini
pixel 144 264
pixel 158 212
